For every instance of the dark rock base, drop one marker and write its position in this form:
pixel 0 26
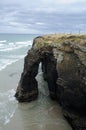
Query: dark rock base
pixel 66 77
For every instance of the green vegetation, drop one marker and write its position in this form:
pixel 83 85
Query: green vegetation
pixel 55 39
pixel 60 38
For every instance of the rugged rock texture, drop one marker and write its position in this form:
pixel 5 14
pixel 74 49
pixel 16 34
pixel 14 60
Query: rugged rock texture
pixel 63 60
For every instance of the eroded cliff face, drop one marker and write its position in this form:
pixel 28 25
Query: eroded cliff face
pixel 63 61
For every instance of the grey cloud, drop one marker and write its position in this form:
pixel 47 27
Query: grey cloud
pixel 28 17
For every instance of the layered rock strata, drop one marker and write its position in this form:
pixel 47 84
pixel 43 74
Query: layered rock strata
pixel 63 59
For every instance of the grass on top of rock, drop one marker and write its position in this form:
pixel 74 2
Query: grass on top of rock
pixel 60 38
pixel 55 39
pixel 41 44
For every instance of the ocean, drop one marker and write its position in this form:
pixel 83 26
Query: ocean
pixel 14 47
pixel 42 114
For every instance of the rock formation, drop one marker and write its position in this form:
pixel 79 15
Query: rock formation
pixel 63 59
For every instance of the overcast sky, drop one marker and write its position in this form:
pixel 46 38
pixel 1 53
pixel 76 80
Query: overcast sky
pixel 42 16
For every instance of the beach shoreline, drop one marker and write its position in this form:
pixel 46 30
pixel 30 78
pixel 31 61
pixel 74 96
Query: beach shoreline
pixel 10 75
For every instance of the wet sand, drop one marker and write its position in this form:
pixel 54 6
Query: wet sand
pixel 42 114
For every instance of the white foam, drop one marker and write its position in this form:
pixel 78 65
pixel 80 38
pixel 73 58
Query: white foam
pixel 7 93
pixel 7 106
pixel 6 62
pixel 12 52
pixel 3 41
pixel 25 42
pixel 1 44
pixel 15 46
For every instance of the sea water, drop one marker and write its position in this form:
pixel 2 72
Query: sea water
pixel 42 114
pixel 13 47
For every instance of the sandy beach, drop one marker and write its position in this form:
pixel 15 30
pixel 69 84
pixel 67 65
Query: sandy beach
pixel 9 76
pixel 42 114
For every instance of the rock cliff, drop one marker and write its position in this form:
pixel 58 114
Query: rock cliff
pixel 63 59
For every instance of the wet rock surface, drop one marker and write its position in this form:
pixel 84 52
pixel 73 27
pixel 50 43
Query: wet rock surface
pixel 63 61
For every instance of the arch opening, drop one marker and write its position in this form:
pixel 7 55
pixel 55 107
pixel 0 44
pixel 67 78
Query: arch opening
pixel 27 89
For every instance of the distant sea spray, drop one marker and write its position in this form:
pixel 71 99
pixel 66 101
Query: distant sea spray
pixel 14 47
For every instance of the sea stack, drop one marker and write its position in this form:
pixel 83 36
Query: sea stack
pixel 63 59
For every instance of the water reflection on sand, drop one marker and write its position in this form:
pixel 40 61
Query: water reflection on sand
pixel 42 114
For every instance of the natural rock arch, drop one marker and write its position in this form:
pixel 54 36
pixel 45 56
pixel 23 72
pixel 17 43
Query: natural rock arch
pixel 64 68
pixel 28 87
